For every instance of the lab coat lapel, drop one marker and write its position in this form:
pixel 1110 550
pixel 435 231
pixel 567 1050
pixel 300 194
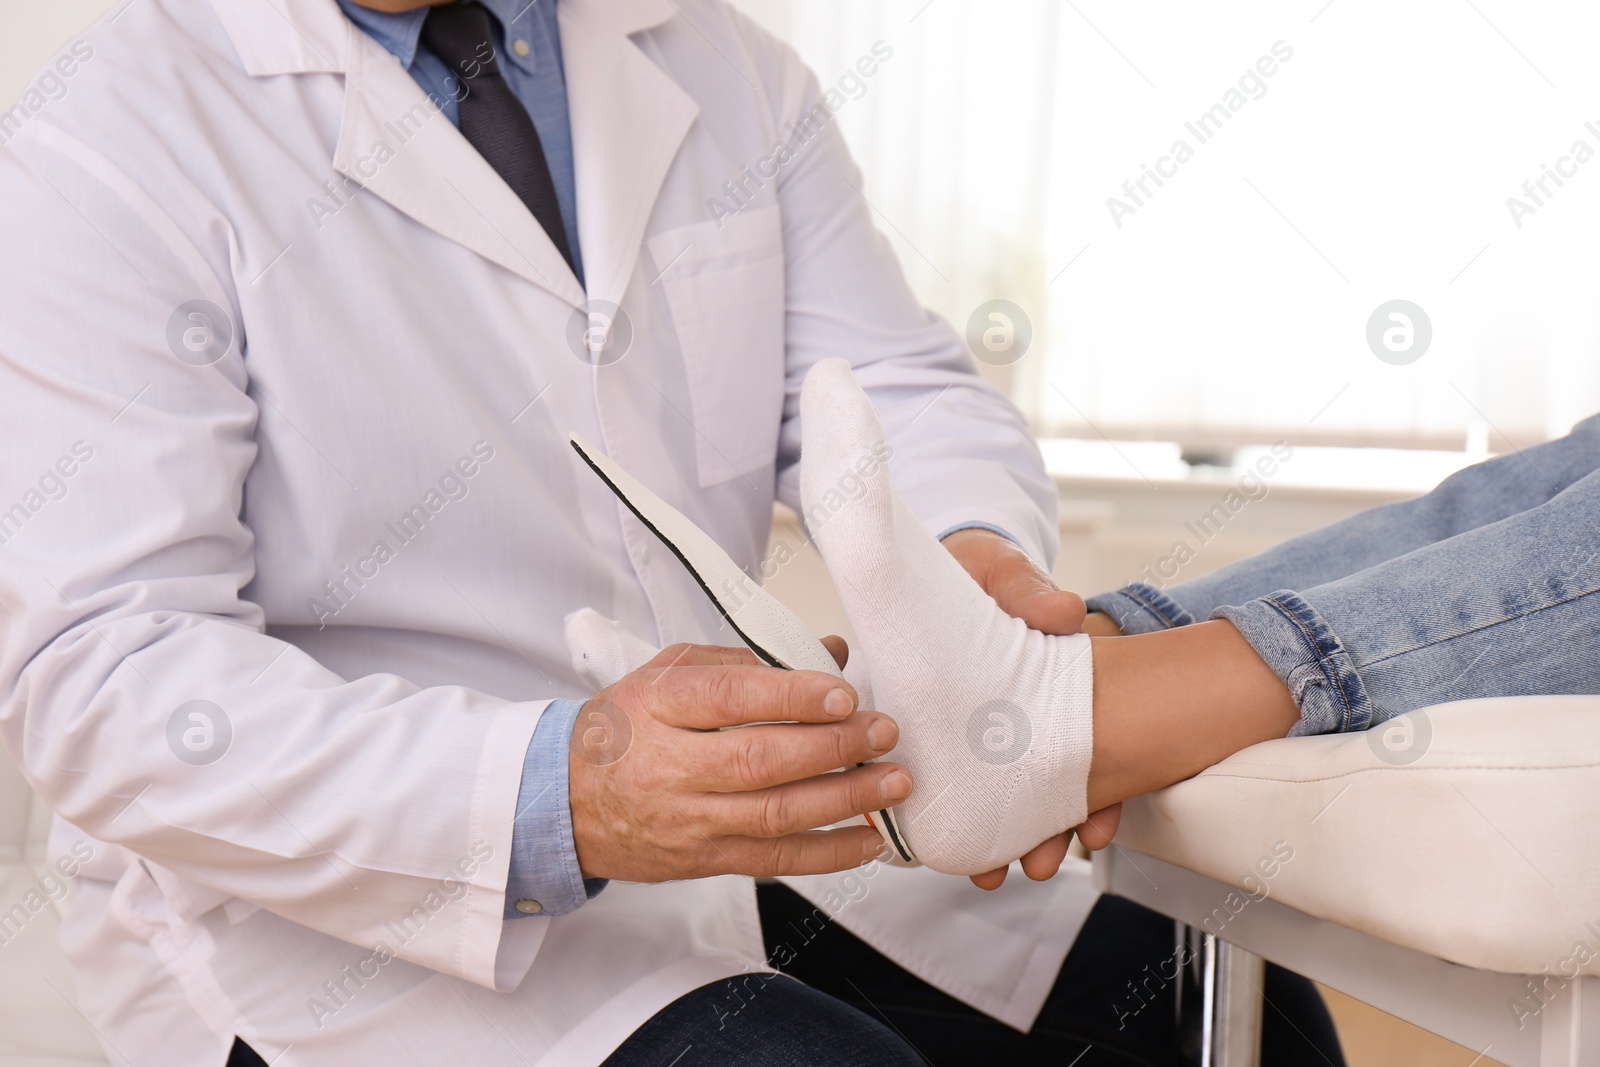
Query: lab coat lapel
pixel 397 144
pixel 629 119
pixel 274 37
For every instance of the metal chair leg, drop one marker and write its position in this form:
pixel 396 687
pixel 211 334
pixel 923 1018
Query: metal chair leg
pixel 1231 992
pixel 1571 1025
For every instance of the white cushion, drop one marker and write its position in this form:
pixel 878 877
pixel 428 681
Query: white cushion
pixel 1469 831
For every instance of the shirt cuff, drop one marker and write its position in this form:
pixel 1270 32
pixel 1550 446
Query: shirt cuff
pixel 981 526
pixel 545 878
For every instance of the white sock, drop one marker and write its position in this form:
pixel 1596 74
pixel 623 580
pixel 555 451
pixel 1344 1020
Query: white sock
pixel 996 721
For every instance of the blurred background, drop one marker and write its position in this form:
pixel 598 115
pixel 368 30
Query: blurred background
pixel 1199 219
pixel 1372 162
pixel 1194 213
pixel 1340 155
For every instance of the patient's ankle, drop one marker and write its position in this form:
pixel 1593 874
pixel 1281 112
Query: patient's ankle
pixel 1099 624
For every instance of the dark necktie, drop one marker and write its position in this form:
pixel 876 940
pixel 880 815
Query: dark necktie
pixel 493 120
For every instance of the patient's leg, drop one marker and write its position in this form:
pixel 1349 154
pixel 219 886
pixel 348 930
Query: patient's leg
pixel 1011 735
pixel 1168 705
pixel 1478 496
pixel 1505 609
pixel 1491 611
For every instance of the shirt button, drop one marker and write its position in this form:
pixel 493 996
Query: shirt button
pixel 529 907
pixel 520 47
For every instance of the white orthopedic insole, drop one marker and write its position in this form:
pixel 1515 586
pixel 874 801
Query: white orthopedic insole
pixel 772 631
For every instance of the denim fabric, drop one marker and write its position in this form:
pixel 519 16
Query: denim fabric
pixel 1319 672
pixel 1141 608
pixel 1469 591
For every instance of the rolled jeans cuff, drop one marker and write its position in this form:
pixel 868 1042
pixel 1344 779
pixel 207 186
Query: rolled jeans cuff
pixel 1141 609
pixel 1307 656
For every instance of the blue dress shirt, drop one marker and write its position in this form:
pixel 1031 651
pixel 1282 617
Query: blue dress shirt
pixel 528 45
pixel 544 878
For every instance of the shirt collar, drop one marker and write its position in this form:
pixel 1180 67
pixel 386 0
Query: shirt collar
pixel 397 32
pixel 400 33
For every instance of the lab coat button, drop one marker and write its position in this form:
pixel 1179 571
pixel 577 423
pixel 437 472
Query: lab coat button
pixel 529 907
pixel 520 47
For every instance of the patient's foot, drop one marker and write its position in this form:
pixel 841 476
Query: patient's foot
pixel 996 720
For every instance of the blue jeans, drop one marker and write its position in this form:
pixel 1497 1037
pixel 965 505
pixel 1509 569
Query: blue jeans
pixel 1475 590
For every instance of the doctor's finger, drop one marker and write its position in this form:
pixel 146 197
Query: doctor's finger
pixel 806 805
pixel 838 648
pixel 990 880
pixel 709 698
pixel 1044 860
pixel 811 852
pixel 1100 827
pixel 773 754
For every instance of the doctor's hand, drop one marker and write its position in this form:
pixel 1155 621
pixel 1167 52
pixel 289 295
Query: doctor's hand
pixel 1024 591
pixel 659 791
pixel 1018 584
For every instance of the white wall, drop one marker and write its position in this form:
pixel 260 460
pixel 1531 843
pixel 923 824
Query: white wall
pixel 31 31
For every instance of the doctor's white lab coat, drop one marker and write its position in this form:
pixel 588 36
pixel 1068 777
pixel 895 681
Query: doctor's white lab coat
pixel 335 515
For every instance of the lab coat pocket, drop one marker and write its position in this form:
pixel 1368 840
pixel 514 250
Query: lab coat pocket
pixel 724 285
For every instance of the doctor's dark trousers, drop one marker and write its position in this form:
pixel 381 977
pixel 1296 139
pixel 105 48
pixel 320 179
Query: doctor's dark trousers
pixel 1112 1004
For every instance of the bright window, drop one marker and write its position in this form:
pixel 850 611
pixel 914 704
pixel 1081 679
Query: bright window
pixel 1289 169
